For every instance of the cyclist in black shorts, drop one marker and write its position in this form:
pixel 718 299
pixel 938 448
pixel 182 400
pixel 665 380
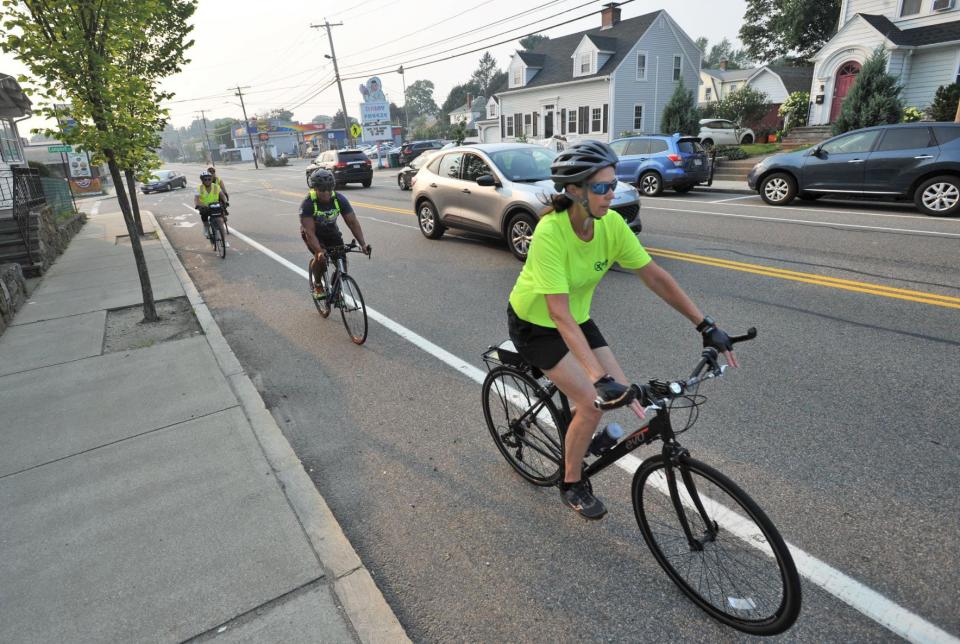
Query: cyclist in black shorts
pixel 318 222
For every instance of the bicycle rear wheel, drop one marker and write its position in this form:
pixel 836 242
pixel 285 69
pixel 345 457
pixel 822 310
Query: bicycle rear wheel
pixel 352 309
pixel 531 441
pixel 739 570
pixel 323 306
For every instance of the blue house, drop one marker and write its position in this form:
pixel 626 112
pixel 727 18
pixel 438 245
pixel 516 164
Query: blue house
pixel 598 83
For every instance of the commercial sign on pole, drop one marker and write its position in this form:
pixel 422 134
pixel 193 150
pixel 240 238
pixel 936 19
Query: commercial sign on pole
pixel 378 132
pixel 375 108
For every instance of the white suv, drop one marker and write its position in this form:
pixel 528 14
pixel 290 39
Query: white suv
pixel 724 132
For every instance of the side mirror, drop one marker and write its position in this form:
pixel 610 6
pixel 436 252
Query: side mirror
pixel 817 151
pixel 486 180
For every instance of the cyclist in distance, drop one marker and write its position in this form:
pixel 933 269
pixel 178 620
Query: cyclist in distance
pixel 206 193
pixel 573 246
pixel 318 222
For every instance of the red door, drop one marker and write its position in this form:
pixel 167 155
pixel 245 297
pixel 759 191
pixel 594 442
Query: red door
pixel 845 79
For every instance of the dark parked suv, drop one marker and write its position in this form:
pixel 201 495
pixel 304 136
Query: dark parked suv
pixel 915 161
pixel 347 166
pixel 410 151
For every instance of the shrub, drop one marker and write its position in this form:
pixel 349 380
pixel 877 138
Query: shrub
pixel 874 98
pixel 912 114
pixel 944 106
pixel 271 162
pixel 794 110
pixel 731 152
pixel 681 113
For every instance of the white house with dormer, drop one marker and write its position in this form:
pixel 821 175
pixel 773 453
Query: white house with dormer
pixel 597 83
pixel 922 40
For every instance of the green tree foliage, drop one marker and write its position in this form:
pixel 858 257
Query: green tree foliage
pixel 106 60
pixel 459 132
pixel 419 99
pixel 485 74
pixel 788 29
pixel 745 106
pixel 945 101
pixel 874 98
pixel 338 123
pixel 723 50
pixel 531 41
pixel 794 110
pixel 681 113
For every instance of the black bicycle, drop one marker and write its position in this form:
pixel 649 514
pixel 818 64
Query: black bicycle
pixel 218 228
pixel 709 536
pixel 341 291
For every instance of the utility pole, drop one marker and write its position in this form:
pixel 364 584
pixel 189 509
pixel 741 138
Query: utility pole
pixel 246 126
pixel 336 72
pixel 207 137
pixel 406 115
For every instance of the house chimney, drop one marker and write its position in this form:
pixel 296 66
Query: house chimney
pixel 469 101
pixel 609 15
pixel 723 64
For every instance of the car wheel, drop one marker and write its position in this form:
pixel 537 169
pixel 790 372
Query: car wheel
pixel 747 139
pixel 650 184
pixel 939 196
pixel 809 196
pixel 366 184
pixel 683 189
pixel 707 143
pixel 401 183
pixel 778 189
pixel 429 221
pixel 168 187
pixel 519 234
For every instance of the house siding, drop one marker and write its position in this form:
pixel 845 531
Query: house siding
pixel 928 70
pixel 878 7
pixel 925 17
pixel 592 94
pixel 661 46
pixel 771 85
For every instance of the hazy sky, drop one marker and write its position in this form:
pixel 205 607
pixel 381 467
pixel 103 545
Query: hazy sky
pixel 271 48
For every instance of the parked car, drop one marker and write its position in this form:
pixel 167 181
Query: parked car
pixel 405 178
pixel 724 132
pixel 413 149
pixel 164 180
pixel 495 189
pixel 347 166
pixel 655 162
pixel 908 161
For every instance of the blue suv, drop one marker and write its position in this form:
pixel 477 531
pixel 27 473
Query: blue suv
pixel 656 161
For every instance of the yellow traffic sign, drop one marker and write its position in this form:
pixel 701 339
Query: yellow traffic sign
pixel 355 130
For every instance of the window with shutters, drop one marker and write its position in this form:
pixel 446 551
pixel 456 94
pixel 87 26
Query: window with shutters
pixel 509 126
pixel 583 117
pixel 596 119
pixel 527 127
pixel 572 121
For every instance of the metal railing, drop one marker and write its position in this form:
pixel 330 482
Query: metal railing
pixel 27 194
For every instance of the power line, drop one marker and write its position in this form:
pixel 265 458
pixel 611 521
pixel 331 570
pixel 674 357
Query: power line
pixel 407 65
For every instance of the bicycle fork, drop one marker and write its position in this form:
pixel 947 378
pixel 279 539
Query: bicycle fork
pixel 674 455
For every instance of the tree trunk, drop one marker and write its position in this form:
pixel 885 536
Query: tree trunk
pixel 149 309
pixel 132 186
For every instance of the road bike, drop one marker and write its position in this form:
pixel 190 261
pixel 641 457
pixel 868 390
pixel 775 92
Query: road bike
pixel 341 290
pixel 709 536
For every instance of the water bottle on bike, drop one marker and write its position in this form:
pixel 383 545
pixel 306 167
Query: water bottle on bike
pixel 605 438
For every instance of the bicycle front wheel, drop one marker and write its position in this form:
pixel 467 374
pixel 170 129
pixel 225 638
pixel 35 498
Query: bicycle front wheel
pixel 524 423
pixel 352 309
pixel 219 241
pixel 736 565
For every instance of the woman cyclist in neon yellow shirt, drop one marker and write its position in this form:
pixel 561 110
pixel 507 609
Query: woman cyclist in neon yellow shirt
pixel 573 247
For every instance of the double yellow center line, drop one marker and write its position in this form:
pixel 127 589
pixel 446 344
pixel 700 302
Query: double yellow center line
pixel 920 297
pixel 812 278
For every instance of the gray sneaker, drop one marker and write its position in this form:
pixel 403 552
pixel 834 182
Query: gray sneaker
pixel 578 497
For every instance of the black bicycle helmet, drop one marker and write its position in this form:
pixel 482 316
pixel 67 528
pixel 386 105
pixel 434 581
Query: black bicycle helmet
pixel 579 161
pixel 322 179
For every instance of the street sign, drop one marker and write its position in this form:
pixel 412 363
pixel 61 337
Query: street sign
pixel 355 130
pixel 59 148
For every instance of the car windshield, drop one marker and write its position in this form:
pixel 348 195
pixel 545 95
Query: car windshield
pixel 524 164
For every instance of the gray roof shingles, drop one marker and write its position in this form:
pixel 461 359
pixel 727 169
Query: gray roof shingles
pixel 917 37
pixel 555 53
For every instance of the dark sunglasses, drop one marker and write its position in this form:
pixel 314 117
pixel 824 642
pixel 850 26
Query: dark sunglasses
pixel 207 179
pixel 603 187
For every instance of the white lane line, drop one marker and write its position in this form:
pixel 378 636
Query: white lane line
pixel 733 199
pixel 392 223
pixel 824 224
pixel 884 611
pixel 859 213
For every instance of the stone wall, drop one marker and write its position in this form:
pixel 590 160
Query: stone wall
pixel 13 293
pixel 54 236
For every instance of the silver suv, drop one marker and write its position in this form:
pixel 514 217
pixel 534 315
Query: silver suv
pixel 495 189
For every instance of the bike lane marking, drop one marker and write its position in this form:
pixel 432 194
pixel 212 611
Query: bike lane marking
pixel 867 601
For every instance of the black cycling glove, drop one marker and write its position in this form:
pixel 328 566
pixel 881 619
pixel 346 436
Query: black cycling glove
pixel 714 336
pixel 611 394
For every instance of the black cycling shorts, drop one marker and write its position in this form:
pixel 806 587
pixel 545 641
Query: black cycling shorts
pixel 327 238
pixel 542 346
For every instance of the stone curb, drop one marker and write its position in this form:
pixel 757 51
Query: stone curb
pixel 371 617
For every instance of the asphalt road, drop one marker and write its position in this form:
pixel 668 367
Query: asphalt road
pixel 841 423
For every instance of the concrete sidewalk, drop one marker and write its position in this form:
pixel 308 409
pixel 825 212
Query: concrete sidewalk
pixel 147 495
